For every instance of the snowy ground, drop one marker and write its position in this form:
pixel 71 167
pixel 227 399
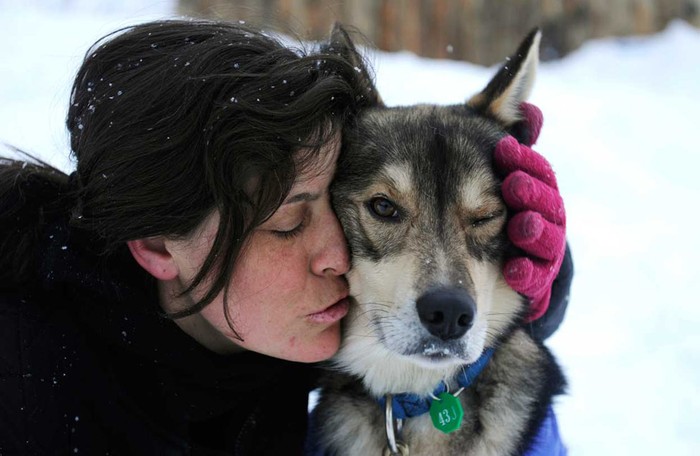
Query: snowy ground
pixel 618 115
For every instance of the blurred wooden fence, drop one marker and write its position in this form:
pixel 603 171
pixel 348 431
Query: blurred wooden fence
pixel 480 31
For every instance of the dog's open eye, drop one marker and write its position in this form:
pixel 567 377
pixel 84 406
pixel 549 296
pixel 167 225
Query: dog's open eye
pixel 383 208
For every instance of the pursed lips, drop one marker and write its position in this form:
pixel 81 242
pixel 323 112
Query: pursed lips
pixel 333 312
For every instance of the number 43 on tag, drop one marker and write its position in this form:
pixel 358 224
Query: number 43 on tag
pixel 446 413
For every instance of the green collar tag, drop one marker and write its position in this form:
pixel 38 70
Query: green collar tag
pixel 446 413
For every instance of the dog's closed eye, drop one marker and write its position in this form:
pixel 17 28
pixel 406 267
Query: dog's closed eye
pixel 481 220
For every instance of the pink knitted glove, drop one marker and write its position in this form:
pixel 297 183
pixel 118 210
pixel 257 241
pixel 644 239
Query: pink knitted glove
pixel 538 223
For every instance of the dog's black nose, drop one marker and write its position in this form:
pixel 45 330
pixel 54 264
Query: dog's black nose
pixel 446 312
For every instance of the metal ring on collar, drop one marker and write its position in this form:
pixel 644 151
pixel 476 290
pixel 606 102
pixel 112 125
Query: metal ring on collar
pixel 393 427
pixel 402 450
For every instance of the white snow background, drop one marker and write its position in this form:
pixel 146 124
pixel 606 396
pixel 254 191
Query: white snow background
pixel 620 115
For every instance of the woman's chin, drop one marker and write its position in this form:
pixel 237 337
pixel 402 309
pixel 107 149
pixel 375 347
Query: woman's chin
pixel 315 349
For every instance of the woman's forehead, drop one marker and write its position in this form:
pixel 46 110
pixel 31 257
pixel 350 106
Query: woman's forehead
pixel 317 168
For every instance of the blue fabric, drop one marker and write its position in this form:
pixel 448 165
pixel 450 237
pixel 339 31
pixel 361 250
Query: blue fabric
pixel 312 445
pixel 547 442
pixel 408 405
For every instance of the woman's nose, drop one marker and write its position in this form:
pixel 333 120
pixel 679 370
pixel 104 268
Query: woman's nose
pixel 332 255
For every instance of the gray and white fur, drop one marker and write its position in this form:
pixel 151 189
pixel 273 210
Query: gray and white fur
pixel 421 207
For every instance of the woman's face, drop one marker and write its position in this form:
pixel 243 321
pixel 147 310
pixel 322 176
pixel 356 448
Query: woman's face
pixel 288 291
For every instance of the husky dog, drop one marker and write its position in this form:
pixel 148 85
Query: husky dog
pixel 421 207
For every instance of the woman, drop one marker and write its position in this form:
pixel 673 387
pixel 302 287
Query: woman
pixel 167 296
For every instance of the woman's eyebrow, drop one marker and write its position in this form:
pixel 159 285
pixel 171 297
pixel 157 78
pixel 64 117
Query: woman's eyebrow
pixel 299 197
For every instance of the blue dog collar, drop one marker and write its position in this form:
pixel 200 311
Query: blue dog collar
pixel 408 405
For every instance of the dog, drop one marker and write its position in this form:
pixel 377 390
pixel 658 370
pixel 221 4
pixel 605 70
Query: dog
pixel 432 317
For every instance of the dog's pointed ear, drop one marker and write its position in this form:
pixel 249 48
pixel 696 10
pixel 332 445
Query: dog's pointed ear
pixel 511 85
pixel 340 43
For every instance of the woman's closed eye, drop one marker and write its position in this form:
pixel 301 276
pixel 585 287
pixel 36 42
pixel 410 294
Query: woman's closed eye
pixel 288 222
pixel 292 232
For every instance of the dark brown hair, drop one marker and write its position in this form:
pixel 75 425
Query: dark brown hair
pixel 170 120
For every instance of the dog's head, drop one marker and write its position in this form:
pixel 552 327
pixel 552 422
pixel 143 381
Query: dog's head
pixel 421 207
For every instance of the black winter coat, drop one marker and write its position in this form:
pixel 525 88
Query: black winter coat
pixel 89 366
